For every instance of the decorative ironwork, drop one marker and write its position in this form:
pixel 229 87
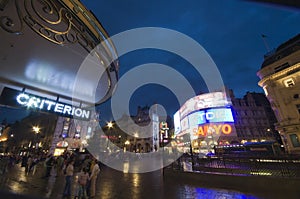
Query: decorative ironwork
pixel 59 23
pixel 50 19
pixel 11 23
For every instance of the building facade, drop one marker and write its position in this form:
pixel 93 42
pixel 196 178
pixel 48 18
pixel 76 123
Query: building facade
pixel 138 133
pixel 280 78
pixel 254 118
pixel 73 134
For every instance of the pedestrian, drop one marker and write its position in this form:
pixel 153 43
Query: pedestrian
pixel 33 165
pixel 93 178
pixel 49 162
pixel 82 182
pixel 69 175
pixel 28 164
pixel 59 165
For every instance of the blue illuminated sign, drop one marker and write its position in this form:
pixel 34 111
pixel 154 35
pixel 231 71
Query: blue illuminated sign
pixel 220 115
pixel 212 115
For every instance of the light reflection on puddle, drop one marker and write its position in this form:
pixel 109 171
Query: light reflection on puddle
pixel 206 193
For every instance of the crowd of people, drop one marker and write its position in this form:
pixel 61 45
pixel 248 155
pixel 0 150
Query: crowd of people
pixel 87 177
pixel 80 172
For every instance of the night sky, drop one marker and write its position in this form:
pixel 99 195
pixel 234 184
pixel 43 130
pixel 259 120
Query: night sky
pixel 230 31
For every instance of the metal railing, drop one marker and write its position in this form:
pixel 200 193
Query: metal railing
pixel 242 166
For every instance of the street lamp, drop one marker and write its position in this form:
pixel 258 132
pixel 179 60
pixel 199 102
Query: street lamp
pixel 36 130
pixel 126 144
pixel 109 125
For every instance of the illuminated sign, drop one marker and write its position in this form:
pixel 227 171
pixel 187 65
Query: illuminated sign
pixel 177 127
pixel 21 99
pixel 184 124
pixel 205 115
pixel 212 129
pixel 51 106
pixel 204 101
pixel 211 116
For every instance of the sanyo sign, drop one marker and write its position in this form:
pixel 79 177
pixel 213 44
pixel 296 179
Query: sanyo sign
pixel 35 102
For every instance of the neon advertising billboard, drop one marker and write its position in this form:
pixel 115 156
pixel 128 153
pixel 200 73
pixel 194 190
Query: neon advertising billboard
pixel 216 121
pixel 203 101
pixel 177 127
pixel 204 115
pixel 210 116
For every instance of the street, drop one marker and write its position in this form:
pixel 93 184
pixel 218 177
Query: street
pixel 111 184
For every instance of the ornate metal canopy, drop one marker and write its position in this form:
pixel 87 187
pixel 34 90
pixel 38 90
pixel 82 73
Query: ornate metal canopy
pixel 56 48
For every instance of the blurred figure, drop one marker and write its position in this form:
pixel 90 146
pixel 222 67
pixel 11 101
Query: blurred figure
pixel 59 165
pixel 82 182
pixel 69 174
pixel 33 165
pixel 93 177
pixel 28 164
pixel 49 162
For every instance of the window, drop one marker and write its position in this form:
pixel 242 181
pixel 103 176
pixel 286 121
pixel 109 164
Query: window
pixel 281 67
pixel 289 82
pixel 295 140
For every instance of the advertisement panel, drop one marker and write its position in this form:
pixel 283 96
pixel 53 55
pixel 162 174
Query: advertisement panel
pixel 184 124
pixel 205 118
pixel 177 125
pixel 203 101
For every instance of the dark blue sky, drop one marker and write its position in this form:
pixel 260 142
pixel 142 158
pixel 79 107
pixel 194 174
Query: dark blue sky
pixel 230 31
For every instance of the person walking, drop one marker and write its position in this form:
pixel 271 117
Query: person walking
pixel 93 178
pixel 28 164
pixel 82 181
pixel 69 174
pixel 49 162
pixel 59 165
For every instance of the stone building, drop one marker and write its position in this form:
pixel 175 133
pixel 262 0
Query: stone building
pixel 138 134
pixel 254 118
pixel 280 78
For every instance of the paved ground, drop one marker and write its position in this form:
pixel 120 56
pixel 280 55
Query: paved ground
pixel 112 184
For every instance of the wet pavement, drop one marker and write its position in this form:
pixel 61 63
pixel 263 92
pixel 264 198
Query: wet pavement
pixel 114 184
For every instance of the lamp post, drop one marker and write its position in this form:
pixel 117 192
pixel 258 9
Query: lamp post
pixel 126 144
pixel 109 126
pixel 36 130
pixel 135 137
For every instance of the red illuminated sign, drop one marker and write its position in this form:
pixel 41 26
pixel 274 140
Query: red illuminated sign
pixel 212 129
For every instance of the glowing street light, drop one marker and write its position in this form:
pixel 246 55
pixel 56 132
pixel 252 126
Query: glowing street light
pixel 36 129
pixel 109 125
pixel 127 142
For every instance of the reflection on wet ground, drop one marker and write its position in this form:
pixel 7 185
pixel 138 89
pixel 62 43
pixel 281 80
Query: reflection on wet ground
pixel 114 184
